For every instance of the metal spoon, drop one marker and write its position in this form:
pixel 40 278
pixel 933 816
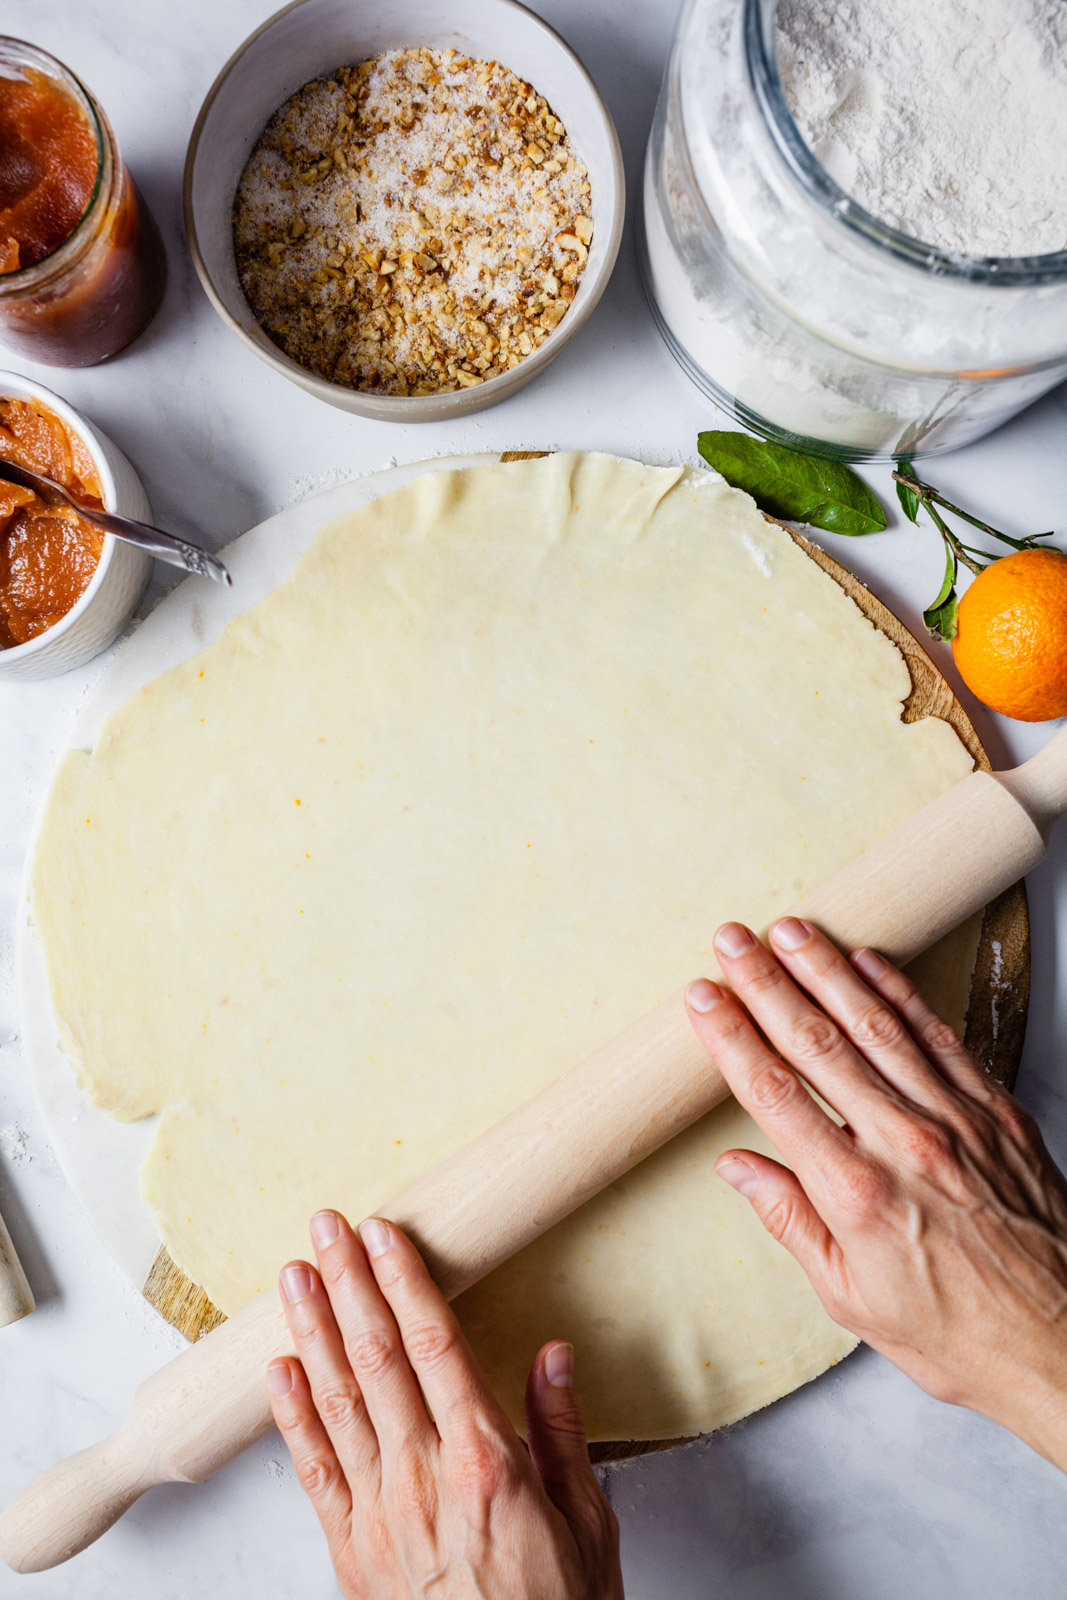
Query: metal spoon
pixel 158 543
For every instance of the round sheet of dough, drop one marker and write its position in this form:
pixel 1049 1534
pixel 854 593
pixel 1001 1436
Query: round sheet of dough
pixel 430 823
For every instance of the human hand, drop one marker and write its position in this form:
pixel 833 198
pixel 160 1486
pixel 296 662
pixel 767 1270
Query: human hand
pixel 933 1224
pixel 447 1506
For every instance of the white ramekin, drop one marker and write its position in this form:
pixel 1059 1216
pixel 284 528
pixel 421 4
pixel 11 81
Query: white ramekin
pixel 122 571
pixel 312 37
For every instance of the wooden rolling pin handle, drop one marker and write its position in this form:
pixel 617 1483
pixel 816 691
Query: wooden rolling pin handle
pixel 1040 784
pixel 77 1500
pixel 16 1296
pixel 540 1163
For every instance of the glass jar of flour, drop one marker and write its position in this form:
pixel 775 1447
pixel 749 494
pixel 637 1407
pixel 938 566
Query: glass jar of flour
pixel 792 307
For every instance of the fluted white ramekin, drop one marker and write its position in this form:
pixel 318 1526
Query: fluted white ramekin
pixel 122 571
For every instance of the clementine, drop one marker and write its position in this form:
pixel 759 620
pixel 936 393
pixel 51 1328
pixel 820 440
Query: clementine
pixel 1011 647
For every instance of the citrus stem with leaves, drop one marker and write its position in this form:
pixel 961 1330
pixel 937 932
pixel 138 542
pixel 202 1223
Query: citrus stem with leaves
pixel 941 618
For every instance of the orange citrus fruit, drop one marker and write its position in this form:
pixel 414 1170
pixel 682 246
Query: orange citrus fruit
pixel 1011 647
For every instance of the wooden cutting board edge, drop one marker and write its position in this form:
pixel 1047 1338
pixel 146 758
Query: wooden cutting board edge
pixel 1000 984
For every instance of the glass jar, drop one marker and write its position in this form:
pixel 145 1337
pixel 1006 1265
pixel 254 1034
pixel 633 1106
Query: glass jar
pixel 796 311
pixel 99 288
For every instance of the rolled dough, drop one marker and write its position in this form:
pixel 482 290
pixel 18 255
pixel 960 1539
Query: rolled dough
pixel 423 828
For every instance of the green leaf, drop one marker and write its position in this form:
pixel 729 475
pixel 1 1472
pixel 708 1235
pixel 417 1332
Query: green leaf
pixel 942 620
pixel 941 617
pixel 907 497
pixel 824 494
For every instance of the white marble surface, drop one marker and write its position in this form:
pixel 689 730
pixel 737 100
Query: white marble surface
pixel 858 1486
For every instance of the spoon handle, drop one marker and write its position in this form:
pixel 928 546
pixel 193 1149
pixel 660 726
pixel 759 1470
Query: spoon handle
pixel 165 546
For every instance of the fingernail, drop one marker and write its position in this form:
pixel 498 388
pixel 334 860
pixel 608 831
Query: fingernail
pixel 702 995
pixel 869 963
pixel 296 1282
pixel 559 1366
pixel 324 1229
pixel 740 1176
pixel 733 939
pixel 279 1378
pixel 791 933
pixel 375 1236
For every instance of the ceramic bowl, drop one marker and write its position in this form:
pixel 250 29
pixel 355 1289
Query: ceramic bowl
pixel 315 37
pixel 122 571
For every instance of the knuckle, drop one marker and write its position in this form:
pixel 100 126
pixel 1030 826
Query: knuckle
pixel 926 1145
pixel 813 1037
pixel 393 1270
pixel 566 1423
pixel 308 1330
pixel 314 1474
pixel 900 988
pixel 335 1270
pixel 777 1217
pixel 878 1027
pixel 481 1465
pixel 299 1427
pixel 337 1406
pixel 822 959
pixel 768 976
pixel 774 1090
pixel 430 1343
pixel 939 1037
pixel 862 1189
pixel 370 1351
pixel 730 1024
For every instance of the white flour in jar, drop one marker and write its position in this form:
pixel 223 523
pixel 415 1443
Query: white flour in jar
pixel 945 118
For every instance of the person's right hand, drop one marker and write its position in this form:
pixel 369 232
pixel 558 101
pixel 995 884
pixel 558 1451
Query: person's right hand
pixel 933 1224
pixel 441 1506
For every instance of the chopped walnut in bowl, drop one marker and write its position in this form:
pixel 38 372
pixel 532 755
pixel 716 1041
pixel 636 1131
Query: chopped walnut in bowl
pixel 414 225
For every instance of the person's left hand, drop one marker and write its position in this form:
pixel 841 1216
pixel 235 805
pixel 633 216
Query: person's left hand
pixel 447 1505
pixel 930 1217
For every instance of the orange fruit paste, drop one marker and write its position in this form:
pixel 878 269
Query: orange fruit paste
pixel 48 162
pixel 47 557
pixel 1011 647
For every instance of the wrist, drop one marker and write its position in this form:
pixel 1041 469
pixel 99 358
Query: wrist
pixel 1032 1403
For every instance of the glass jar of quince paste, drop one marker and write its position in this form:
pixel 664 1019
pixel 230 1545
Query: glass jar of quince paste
pixel 82 267
pixel 795 310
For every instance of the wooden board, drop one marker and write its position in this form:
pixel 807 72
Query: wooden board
pixel 1000 985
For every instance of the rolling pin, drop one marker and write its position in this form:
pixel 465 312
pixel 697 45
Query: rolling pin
pixel 547 1157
